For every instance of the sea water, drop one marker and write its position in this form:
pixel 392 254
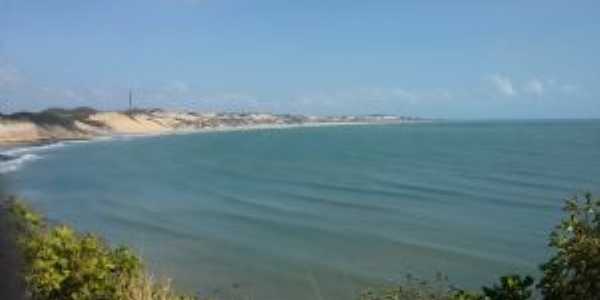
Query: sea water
pixel 320 213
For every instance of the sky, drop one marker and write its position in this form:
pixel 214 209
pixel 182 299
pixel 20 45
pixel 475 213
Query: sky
pixel 463 59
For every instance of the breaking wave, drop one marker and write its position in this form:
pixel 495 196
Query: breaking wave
pixel 12 160
pixel 14 164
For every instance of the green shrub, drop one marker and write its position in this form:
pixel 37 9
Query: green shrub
pixel 574 271
pixel 61 264
pixel 512 287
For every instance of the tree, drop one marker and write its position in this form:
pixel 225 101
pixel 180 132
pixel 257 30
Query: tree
pixel 574 270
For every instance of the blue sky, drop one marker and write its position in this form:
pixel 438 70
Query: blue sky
pixel 452 59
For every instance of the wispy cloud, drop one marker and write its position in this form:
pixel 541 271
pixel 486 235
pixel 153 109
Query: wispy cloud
pixel 538 87
pixel 503 84
pixel 535 87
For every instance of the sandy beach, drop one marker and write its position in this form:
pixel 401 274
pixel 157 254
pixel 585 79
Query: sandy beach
pixel 28 131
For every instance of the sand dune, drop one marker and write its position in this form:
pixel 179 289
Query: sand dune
pixel 135 124
pixel 97 124
pixel 85 123
pixel 15 132
pixel 32 130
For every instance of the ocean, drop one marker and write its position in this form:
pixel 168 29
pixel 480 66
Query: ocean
pixel 321 213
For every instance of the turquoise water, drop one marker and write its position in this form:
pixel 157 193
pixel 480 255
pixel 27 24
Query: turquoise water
pixel 318 213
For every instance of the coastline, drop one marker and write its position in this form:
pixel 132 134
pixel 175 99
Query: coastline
pixel 14 154
pixel 11 147
pixel 84 124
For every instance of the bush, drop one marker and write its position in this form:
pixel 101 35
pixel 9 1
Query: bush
pixel 511 287
pixel 61 264
pixel 574 271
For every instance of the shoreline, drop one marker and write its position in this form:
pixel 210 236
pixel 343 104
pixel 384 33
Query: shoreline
pixel 9 147
pixel 15 154
pixel 85 124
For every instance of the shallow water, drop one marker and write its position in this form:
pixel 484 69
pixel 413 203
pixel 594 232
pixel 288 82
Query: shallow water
pixel 312 213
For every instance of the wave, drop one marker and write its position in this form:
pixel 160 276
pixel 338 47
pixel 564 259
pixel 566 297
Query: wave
pixel 13 159
pixel 15 164
pixel 30 149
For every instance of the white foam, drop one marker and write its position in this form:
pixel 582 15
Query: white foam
pixel 30 149
pixel 15 164
pixel 17 157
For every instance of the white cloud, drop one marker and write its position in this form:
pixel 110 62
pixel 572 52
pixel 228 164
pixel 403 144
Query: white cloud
pixel 503 85
pixel 535 87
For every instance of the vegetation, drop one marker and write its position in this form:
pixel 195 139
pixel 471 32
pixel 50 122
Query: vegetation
pixel 58 117
pixel 511 287
pixel 574 271
pixel 61 264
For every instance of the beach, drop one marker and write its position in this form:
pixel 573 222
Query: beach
pixel 68 125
